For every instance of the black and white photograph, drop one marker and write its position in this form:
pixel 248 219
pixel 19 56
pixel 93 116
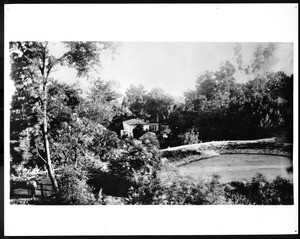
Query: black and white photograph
pixel 161 124
pixel 113 124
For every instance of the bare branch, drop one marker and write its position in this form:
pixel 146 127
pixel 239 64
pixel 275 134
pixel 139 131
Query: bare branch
pixel 40 154
pixel 62 57
pixel 48 71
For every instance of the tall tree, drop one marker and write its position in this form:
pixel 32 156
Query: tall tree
pixel 206 85
pixel 158 105
pixel 135 100
pixel 263 60
pixel 32 65
pixel 101 103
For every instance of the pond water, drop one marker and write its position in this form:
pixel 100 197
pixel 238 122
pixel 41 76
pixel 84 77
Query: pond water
pixel 231 167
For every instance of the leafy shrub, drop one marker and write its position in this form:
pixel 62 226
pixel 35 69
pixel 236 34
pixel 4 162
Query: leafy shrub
pixel 74 188
pixel 179 192
pixel 82 137
pixel 105 144
pixel 23 173
pixel 190 137
pixel 261 192
pixel 150 140
pixel 283 191
pixel 134 163
pixel 183 192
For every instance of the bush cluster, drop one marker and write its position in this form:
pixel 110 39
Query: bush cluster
pixel 73 188
pixel 258 191
pixel 179 192
pixel 135 163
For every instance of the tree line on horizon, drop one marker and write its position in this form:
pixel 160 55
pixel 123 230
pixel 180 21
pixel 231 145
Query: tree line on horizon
pixel 219 108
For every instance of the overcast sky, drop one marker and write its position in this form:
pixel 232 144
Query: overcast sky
pixel 171 66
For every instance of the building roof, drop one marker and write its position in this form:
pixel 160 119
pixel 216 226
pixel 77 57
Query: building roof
pixel 134 122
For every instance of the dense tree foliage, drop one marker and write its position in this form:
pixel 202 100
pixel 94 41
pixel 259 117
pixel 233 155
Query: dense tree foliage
pixel 258 191
pixel 158 105
pixel 32 64
pixel 219 108
pixel 101 103
pixel 135 100
pixel 154 105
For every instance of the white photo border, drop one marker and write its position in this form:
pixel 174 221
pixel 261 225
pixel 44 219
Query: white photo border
pixel 151 23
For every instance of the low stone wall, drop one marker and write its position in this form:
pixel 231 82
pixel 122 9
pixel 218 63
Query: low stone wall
pixel 189 153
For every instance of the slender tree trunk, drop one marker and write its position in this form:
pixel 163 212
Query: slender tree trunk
pixel 75 157
pixel 46 142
